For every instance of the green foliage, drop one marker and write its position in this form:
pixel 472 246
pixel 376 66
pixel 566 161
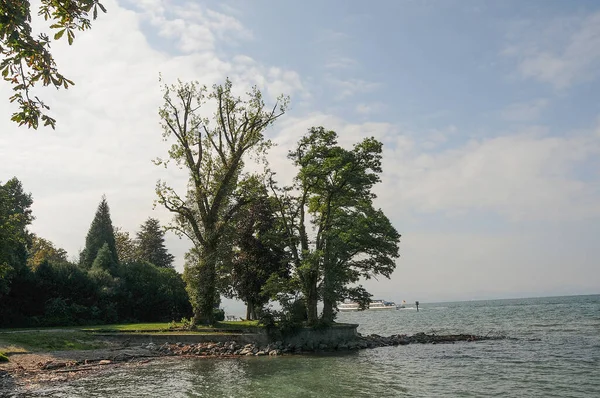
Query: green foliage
pixel 287 321
pixel 333 190
pixel 42 250
pixel 3 357
pixel 213 153
pixel 26 60
pixel 15 216
pixel 105 260
pixel 53 291
pixel 65 294
pixel 100 233
pixel 187 323
pixel 127 250
pixel 218 314
pixel 151 293
pixel 57 311
pixel 258 250
pixel 151 244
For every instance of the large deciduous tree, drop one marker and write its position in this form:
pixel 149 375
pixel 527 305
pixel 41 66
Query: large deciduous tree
pixel 257 241
pixel 101 232
pixel 26 60
pixel 150 244
pixel 212 150
pixel 350 239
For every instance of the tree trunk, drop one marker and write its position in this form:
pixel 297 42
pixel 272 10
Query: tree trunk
pixel 312 297
pixel 250 311
pixel 328 314
pixel 328 297
pixel 205 287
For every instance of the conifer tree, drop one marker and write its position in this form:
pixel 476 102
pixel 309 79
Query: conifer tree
pixel 101 232
pixel 104 260
pixel 151 244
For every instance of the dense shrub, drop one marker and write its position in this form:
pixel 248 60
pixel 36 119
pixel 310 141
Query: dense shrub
pixel 63 293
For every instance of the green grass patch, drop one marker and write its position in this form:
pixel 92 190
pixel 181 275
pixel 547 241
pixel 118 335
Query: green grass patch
pixel 131 327
pixel 48 341
pixel 171 327
pixel 3 357
pixel 239 325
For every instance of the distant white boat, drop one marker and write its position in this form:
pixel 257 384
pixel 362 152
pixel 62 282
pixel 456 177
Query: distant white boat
pixel 374 305
pixel 348 306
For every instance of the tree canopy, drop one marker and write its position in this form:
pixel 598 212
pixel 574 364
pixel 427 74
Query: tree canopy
pixel 15 216
pixel 101 232
pixel 26 60
pixel 350 239
pixel 213 151
pixel 258 250
pixel 127 250
pixel 42 250
pixel 150 242
pixel 40 287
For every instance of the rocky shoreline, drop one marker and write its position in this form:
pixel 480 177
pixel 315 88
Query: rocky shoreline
pixel 233 349
pixel 26 371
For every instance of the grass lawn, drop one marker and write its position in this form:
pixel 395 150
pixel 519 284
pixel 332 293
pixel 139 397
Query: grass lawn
pixel 169 327
pixel 14 341
pixel 34 341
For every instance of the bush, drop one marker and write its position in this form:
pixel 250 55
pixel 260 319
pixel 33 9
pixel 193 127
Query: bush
pixel 285 323
pixel 219 314
pixel 57 312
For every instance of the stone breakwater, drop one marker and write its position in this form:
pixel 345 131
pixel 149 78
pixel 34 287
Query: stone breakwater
pixel 231 348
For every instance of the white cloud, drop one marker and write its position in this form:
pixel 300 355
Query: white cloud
pixel 108 132
pixel 526 178
pixel 573 58
pixel 526 175
pixel 442 266
pixel 108 126
pixel 519 176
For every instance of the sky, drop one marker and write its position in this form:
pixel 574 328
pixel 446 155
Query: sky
pixel 489 113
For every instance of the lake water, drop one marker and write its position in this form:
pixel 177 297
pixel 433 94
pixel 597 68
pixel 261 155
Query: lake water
pixel 556 354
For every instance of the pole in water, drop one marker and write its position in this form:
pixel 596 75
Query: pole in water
pixel 417 304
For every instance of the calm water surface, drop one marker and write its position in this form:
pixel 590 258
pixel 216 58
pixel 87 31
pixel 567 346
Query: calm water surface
pixel 556 354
